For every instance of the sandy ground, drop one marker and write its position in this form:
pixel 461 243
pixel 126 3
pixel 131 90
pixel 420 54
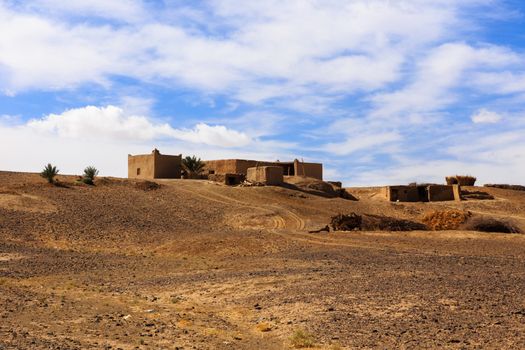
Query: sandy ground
pixel 196 265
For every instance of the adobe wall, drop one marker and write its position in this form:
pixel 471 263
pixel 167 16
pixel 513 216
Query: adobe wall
pixel 402 193
pixel 430 193
pixel 314 170
pixel 438 193
pixel 240 166
pixel 227 179
pixel 167 166
pixel 269 175
pixel 232 166
pixel 143 162
pixel 457 192
pixel 223 166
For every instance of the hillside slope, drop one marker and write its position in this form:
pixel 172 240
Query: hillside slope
pixel 194 263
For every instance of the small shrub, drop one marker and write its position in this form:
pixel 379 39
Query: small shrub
pixel 89 175
pixel 147 185
pixel 49 173
pixel 349 222
pixel 445 219
pixel 302 339
pixel 451 180
pixel 486 224
pixel 507 187
pixel 462 180
pixel 386 223
pixel 369 222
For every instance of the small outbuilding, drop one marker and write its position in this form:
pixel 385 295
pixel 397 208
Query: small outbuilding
pixel 422 193
pixel 154 166
pixel 240 166
pixel 269 175
pixel 227 179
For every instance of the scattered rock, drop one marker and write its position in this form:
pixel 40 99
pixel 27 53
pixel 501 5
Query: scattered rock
pixel 147 185
pixel 323 229
pixel 264 327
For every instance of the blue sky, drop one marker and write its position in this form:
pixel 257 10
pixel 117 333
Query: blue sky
pixel 379 91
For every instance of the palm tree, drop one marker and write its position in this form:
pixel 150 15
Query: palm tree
pixel 89 174
pixel 193 166
pixel 49 173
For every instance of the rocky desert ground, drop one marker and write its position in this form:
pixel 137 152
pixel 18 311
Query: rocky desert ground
pixel 197 265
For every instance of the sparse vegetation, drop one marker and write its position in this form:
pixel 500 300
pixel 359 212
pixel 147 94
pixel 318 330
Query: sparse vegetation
pixel 487 224
pixel 147 185
pixel 302 339
pixel 507 187
pixel 49 173
pixel 462 180
pixel 369 222
pixel 89 175
pixel 445 219
pixel 193 166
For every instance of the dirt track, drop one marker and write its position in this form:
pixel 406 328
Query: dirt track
pixel 199 265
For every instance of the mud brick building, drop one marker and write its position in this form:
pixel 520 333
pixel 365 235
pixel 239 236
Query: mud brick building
pixel 269 175
pixel 240 166
pixel 422 193
pixel 154 166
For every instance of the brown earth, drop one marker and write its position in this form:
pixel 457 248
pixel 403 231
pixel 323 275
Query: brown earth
pixel 196 265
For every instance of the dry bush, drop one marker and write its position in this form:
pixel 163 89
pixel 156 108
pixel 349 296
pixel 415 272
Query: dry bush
pixel 445 219
pixel 369 222
pixel 350 222
pixel 111 181
pixel 302 339
pixel 147 185
pixel 385 223
pixel 487 224
pixel 466 180
pixel 507 187
pixel 462 180
pixel 451 180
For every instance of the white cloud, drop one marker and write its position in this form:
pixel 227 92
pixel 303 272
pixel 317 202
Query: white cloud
pixel 103 136
pixel 485 116
pixel 113 123
pixel 504 82
pixel 273 48
pixel 217 135
pixel 137 105
pixel 438 74
pixel 71 155
pixel 121 10
pixel 493 155
pixel 6 119
pixel 362 142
